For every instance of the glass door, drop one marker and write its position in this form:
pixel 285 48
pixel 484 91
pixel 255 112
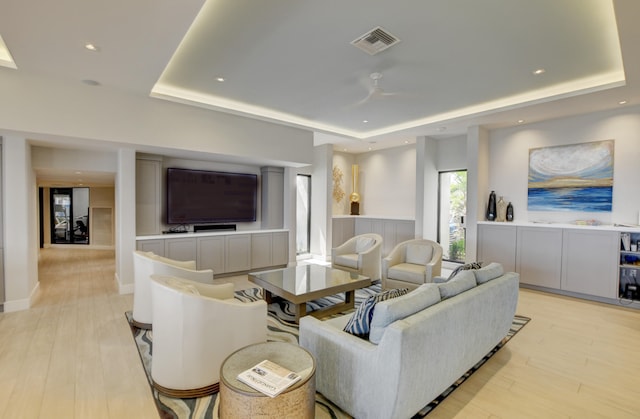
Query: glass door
pixel 452 209
pixel 69 215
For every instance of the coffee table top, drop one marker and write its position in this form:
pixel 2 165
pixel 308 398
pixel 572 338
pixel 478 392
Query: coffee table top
pixel 307 282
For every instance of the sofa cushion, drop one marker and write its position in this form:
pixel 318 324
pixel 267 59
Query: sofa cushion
pixel 465 267
pixel 489 272
pixel 407 272
pixel 364 243
pixel 463 281
pixel 360 321
pixel 419 254
pixel 348 259
pixel 389 311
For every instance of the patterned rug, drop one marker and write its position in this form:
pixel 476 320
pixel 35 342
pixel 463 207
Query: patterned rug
pixel 282 328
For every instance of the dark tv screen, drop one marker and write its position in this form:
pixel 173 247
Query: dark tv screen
pixel 200 196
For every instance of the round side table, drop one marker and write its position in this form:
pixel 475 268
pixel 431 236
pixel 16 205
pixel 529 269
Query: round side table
pixel 238 400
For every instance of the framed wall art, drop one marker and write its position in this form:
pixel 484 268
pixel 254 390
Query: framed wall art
pixel 576 177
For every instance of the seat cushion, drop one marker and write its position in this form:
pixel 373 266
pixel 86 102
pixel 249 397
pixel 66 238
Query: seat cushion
pixel 407 272
pixel 389 311
pixel 418 254
pixel 364 243
pixel 465 280
pixel 349 260
pixel 360 321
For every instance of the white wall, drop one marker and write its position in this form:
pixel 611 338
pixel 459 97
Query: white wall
pixel 387 182
pixel 50 109
pixel 509 160
pixel 343 162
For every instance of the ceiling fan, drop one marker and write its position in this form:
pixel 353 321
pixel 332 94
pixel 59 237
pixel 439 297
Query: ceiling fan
pixel 375 91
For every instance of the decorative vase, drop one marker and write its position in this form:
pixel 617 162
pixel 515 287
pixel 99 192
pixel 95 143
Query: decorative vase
pixel 509 212
pixel 491 207
pixel 355 196
pixel 501 214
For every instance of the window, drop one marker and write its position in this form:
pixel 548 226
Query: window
pixel 303 214
pixel 452 208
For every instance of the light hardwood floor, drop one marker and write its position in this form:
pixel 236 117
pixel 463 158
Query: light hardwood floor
pixel 72 355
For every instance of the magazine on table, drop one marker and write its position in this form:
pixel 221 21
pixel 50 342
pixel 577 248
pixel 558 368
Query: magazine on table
pixel 269 378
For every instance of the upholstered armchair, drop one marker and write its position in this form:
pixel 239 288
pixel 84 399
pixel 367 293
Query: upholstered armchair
pixel 146 264
pixel 196 327
pixel 360 254
pixel 411 264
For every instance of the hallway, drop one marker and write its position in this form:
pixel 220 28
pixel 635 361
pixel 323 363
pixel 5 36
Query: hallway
pixel 66 357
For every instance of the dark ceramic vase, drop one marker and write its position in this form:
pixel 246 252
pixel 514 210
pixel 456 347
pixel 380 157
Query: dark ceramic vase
pixel 491 207
pixel 509 212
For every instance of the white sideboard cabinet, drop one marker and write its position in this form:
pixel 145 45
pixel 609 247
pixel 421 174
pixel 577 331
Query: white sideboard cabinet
pixel 226 253
pixel 590 262
pixel 539 256
pixel 497 243
pixel 581 261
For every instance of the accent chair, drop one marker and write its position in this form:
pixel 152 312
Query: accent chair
pixel 360 254
pixel 196 327
pixel 146 264
pixel 411 263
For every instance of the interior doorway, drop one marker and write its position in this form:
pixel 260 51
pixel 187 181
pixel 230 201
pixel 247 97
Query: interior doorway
pixel 452 209
pixel 69 215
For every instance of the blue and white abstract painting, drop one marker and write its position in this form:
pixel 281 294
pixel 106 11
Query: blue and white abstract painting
pixel 576 177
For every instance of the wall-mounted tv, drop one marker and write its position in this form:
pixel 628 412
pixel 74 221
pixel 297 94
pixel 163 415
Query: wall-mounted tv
pixel 201 196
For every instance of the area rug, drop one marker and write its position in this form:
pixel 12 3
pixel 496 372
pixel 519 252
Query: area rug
pixel 281 327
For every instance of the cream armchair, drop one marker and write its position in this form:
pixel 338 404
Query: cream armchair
pixel 360 254
pixel 195 328
pixel 146 264
pixel 411 264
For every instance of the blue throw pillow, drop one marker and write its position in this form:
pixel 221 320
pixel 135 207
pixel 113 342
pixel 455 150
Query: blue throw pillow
pixel 359 324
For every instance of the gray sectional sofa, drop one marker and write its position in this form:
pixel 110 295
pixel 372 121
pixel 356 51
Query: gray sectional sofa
pixel 420 343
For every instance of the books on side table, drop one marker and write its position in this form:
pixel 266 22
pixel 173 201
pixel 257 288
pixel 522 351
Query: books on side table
pixel 269 378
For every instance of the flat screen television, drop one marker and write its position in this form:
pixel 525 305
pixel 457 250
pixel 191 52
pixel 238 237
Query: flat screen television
pixel 201 196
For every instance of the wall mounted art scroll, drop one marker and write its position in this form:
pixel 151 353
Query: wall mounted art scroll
pixel 577 177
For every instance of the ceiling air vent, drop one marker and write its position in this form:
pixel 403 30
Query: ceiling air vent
pixel 375 40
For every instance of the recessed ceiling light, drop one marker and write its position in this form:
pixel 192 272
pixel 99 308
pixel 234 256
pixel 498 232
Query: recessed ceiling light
pixel 622 102
pixel 520 121
pixel 406 141
pixel 370 149
pixel 78 173
pixel 344 149
pixel 220 79
pixel 538 71
pixel 366 121
pixel 92 47
pixel 90 82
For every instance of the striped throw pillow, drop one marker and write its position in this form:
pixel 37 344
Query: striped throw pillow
pixel 360 322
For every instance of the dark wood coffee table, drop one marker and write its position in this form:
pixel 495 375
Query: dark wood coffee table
pixel 303 283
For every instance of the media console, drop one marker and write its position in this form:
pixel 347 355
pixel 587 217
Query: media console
pixel 225 252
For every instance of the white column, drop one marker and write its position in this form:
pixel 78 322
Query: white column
pixel 477 186
pixel 289 211
pixel 426 188
pixel 321 200
pixel 125 219
pixel 20 224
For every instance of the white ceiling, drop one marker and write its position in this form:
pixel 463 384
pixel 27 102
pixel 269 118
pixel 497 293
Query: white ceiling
pixel 458 63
